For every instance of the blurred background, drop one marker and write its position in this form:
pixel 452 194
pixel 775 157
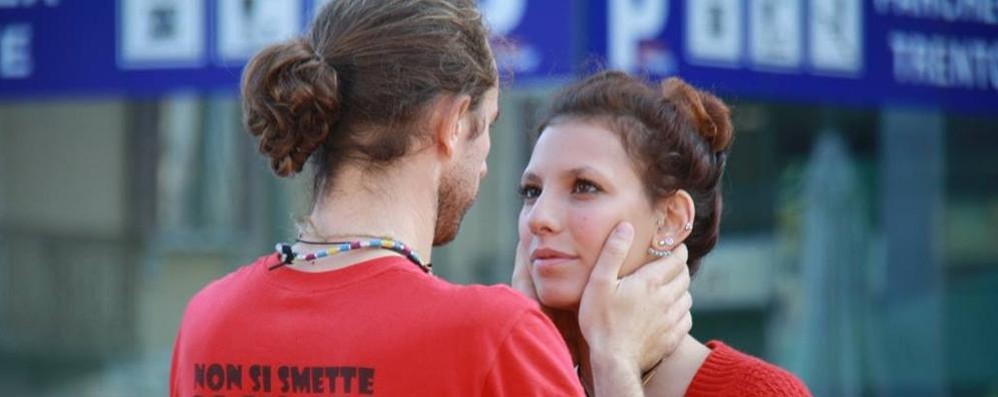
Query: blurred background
pixel 859 244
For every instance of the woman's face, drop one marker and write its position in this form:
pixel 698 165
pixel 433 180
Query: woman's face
pixel 579 184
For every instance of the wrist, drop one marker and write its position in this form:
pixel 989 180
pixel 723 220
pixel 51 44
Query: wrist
pixel 615 376
pixel 605 362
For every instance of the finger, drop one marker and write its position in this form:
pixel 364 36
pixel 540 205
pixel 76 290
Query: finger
pixel 664 269
pixel 612 257
pixel 680 253
pixel 522 280
pixel 674 289
pixel 676 335
pixel 659 272
pixel 682 304
pixel 522 258
pixel 681 282
pixel 681 307
pixel 681 328
pixel 686 324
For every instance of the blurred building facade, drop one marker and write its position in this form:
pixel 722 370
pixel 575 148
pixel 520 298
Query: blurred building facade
pixel 858 242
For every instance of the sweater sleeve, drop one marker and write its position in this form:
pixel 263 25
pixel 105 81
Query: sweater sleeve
pixel 729 372
pixel 532 361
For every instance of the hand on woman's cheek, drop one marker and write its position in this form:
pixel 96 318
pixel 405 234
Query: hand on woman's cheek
pixel 579 185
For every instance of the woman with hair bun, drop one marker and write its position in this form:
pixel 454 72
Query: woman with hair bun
pixel 613 149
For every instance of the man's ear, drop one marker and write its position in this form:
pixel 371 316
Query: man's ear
pixel 675 222
pixel 448 122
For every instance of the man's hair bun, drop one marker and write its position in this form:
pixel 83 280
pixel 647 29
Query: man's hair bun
pixel 291 102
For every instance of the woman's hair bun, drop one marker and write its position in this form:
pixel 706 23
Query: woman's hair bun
pixel 708 114
pixel 291 101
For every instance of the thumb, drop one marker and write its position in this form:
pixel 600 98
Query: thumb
pixel 681 253
pixel 522 280
pixel 612 257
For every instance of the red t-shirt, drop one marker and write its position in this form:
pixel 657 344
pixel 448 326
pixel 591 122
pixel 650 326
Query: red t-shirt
pixel 377 328
pixel 729 372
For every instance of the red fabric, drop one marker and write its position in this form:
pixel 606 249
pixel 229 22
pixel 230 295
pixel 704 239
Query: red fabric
pixel 378 328
pixel 729 372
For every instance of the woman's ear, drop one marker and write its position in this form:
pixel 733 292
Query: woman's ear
pixel 676 213
pixel 448 124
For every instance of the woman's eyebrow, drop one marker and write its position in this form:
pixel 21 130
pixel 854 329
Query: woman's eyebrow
pixel 583 170
pixel 529 177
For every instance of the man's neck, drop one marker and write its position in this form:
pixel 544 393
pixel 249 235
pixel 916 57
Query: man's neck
pixel 399 203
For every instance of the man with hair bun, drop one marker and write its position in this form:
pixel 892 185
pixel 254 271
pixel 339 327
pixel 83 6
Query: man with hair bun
pixel 391 103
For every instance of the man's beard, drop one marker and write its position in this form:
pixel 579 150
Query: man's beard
pixel 454 198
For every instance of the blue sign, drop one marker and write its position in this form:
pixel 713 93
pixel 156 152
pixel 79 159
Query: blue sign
pixel 534 39
pixel 938 53
pixel 141 47
pixel 135 47
pixel 72 48
pixel 850 52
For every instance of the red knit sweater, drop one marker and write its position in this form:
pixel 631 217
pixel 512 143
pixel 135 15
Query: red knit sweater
pixel 729 372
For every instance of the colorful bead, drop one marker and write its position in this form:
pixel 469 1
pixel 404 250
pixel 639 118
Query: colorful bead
pixel 287 255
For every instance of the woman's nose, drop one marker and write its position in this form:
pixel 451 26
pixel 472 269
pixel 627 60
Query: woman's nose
pixel 542 218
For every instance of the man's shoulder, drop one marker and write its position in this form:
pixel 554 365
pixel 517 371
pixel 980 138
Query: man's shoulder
pixel 500 296
pixel 229 283
pixel 481 315
pixel 486 303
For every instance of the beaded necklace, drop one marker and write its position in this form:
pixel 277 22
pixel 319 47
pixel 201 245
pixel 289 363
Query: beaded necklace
pixel 289 256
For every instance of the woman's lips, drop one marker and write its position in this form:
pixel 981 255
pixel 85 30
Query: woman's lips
pixel 546 259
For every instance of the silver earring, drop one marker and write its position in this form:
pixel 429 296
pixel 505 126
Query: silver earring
pixel 659 253
pixel 669 241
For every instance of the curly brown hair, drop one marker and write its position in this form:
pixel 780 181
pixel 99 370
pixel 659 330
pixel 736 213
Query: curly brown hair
pixel 677 137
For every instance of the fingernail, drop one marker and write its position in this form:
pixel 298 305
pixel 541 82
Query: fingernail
pixel 623 229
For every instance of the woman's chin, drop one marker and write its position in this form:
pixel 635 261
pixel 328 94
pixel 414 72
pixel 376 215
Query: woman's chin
pixel 558 299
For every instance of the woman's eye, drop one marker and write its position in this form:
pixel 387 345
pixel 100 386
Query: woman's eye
pixel 583 186
pixel 528 192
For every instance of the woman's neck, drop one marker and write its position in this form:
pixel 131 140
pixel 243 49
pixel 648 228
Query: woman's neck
pixel 676 372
